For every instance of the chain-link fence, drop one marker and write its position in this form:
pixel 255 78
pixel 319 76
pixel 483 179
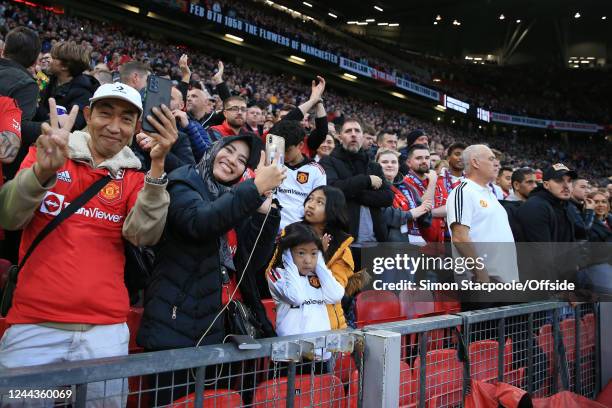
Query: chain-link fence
pixel 542 348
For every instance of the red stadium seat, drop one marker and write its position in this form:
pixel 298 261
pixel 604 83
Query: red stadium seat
pixel 408 390
pixel 373 306
pixel 327 391
pixel 444 377
pixel 567 328
pixel 446 302
pixel 270 307
pixel 353 390
pixel 344 367
pixel 408 386
pixel 588 330
pixel 138 385
pixel 133 322
pixel 416 303
pixel 483 359
pixel 212 399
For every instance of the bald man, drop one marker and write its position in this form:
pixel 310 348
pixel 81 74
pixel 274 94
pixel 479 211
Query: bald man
pixel 200 104
pixel 198 136
pixel 478 223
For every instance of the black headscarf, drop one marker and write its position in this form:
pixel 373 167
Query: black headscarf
pixel 216 188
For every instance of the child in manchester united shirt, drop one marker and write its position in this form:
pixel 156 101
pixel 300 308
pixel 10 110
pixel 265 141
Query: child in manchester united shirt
pixel 300 283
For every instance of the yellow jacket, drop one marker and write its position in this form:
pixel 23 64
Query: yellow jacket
pixel 342 268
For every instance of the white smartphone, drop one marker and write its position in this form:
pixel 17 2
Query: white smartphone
pixel 275 149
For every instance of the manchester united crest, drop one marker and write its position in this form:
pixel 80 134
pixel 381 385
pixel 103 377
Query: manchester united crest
pixel 302 177
pixel 314 281
pixel 111 191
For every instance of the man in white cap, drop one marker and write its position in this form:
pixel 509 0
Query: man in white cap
pixel 71 302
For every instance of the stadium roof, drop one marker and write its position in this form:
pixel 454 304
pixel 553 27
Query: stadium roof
pixel 427 25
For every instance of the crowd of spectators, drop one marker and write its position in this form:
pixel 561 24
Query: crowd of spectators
pixel 114 45
pixel 100 177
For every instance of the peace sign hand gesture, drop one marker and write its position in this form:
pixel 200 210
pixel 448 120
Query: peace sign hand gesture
pixel 52 144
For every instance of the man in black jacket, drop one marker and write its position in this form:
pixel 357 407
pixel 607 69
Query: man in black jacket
pixel 581 209
pixel 349 168
pixel 68 84
pixel 544 218
pixel 20 52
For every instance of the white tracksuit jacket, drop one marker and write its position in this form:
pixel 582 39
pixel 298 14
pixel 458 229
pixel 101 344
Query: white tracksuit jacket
pixel 300 300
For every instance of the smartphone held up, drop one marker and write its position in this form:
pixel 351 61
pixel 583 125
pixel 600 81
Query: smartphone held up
pixel 275 149
pixel 157 93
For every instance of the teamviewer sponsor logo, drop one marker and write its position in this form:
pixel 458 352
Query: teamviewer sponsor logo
pixel 99 214
pixel 52 204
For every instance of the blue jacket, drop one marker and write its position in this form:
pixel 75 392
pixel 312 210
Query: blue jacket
pixel 185 294
pixel 198 137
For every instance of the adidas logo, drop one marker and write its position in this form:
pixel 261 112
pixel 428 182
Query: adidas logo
pixel 64 176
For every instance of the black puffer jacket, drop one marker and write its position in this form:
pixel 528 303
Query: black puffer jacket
pixel 545 218
pixel 185 294
pixel 74 92
pixel 350 172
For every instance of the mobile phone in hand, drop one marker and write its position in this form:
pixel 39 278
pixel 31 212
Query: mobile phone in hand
pixel 157 93
pixel 275 149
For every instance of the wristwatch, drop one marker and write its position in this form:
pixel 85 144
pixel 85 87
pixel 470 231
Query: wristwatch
pixel 153 180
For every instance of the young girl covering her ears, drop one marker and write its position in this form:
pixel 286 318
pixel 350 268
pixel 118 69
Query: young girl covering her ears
pixel 301 284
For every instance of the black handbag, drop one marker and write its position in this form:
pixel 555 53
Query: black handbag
pixel 239 319
pixel 242 321
pixel 138 271
pixel 80 201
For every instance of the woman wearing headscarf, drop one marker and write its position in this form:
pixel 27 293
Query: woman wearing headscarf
pixel 207 201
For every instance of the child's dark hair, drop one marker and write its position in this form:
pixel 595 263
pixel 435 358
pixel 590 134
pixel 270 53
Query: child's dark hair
pixel 336 218
pixel 296 234
pixel 290 130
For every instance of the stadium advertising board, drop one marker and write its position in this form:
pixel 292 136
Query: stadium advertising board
pixel 263 33
pixel 356 67
pixel 456 104
pixel 367 71
pixel 545 123
pixel 483 114
pixel 418 89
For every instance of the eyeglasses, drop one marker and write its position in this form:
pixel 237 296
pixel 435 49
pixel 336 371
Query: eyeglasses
pixel 236 109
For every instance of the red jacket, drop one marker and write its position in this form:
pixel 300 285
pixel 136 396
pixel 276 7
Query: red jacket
pixel 76 274
pixel 10 120
pixel 222 130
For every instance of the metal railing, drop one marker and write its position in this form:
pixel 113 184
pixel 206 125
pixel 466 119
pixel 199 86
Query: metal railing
pixel 540 347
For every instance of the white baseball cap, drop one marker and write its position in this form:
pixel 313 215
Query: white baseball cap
pixel 118 90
